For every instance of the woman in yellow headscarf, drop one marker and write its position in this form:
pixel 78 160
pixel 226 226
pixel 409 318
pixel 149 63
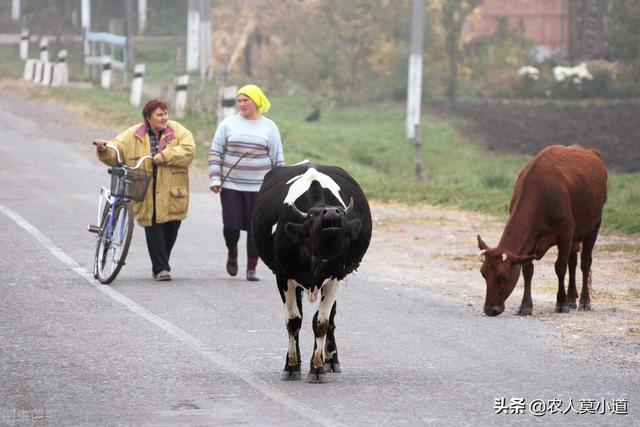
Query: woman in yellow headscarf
pixel 244 148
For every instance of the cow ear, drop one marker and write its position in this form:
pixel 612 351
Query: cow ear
pixel 521 259
pixel 296 232
pixel 354 227
pixel 482 245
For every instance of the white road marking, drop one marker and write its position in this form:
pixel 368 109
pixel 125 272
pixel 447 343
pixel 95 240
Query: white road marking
pixel 179 334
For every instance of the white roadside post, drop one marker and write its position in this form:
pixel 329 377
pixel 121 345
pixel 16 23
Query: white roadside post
pixel 182 85
pixel 24 45
pixel 228 102
pixel 44 49
pixel 47 73
pixel 61 70
pixel 37 72
pixel 105 76
pixel 135 97
pixel 29 70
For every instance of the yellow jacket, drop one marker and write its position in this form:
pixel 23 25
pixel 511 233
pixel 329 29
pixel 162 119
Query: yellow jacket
pixel 172 186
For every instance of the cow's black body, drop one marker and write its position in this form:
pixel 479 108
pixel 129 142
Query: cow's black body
pixel 311 242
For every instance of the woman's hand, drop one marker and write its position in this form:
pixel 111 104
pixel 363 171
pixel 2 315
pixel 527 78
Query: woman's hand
pixel 158 159
pixel 215 188
pixel 101 145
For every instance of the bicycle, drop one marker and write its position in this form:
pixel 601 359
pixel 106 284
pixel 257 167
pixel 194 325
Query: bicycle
pixel 115 216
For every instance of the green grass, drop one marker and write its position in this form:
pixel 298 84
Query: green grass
pixel 366 140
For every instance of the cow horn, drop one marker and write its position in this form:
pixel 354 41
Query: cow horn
pixel 349 208
pixel 298 211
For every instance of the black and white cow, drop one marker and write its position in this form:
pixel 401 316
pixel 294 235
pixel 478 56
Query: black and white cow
pixel 311 227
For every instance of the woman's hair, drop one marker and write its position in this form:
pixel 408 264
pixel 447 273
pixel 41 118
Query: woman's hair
pixel 151 106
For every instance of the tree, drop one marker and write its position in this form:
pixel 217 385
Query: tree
pixel 624 39
pixel 454 14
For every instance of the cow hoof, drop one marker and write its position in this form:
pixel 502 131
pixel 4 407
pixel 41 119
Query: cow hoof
pixel 290 375
pixel 524 311
pixel 562 309
pixel 317 377
pixel 573 305
pixel 332 367
pixel 584 307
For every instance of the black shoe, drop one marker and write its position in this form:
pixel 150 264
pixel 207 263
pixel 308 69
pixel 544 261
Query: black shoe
pixel 251 276
pixel 232 266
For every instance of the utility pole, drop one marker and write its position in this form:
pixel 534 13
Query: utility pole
pixel 15 10
pixel 85 13
pixel 205 39
pixel 414 83
pixel 128 32
pixel 142 16
pixel 193 37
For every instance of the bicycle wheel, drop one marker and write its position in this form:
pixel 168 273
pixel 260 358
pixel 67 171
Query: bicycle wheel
pixel 113 244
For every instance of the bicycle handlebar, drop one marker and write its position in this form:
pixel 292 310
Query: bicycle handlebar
pixel 115 148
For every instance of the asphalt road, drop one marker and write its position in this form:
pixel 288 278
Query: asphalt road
pixel 207 349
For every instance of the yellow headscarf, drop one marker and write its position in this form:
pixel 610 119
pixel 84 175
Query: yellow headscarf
pixel 257 96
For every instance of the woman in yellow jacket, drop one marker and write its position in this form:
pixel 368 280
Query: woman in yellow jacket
pixel 167 200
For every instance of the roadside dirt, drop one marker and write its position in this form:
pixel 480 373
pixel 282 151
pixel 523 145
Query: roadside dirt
pixel 427 246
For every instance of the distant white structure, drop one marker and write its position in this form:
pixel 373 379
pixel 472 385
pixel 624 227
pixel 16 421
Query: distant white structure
pixel 182 86
pixel 135 97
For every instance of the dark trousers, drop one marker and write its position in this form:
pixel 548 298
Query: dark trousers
pixel 231 238
pixel 160 241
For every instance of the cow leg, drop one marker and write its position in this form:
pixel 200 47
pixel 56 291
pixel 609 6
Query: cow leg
pixel 585 266
pixel 320 329
pixel 573 292
pixel 292 297
pixel 564 249
pixel 331 363
pixel 526 307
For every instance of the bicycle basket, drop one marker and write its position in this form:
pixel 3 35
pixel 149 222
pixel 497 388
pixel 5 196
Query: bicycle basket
pixel 133 185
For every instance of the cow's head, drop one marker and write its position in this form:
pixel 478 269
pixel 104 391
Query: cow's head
pixel 326 229
pixel 501 270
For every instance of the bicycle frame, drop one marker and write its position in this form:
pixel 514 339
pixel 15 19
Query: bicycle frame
pixel 114 212
pixel 107 200
pixel 105 195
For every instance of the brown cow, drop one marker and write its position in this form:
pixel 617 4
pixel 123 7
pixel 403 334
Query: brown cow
pixel 557 200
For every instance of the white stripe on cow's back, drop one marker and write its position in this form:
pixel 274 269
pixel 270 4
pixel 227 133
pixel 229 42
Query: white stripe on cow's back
pixel 301 183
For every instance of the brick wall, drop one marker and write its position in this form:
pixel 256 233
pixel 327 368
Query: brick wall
pixel 546 22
